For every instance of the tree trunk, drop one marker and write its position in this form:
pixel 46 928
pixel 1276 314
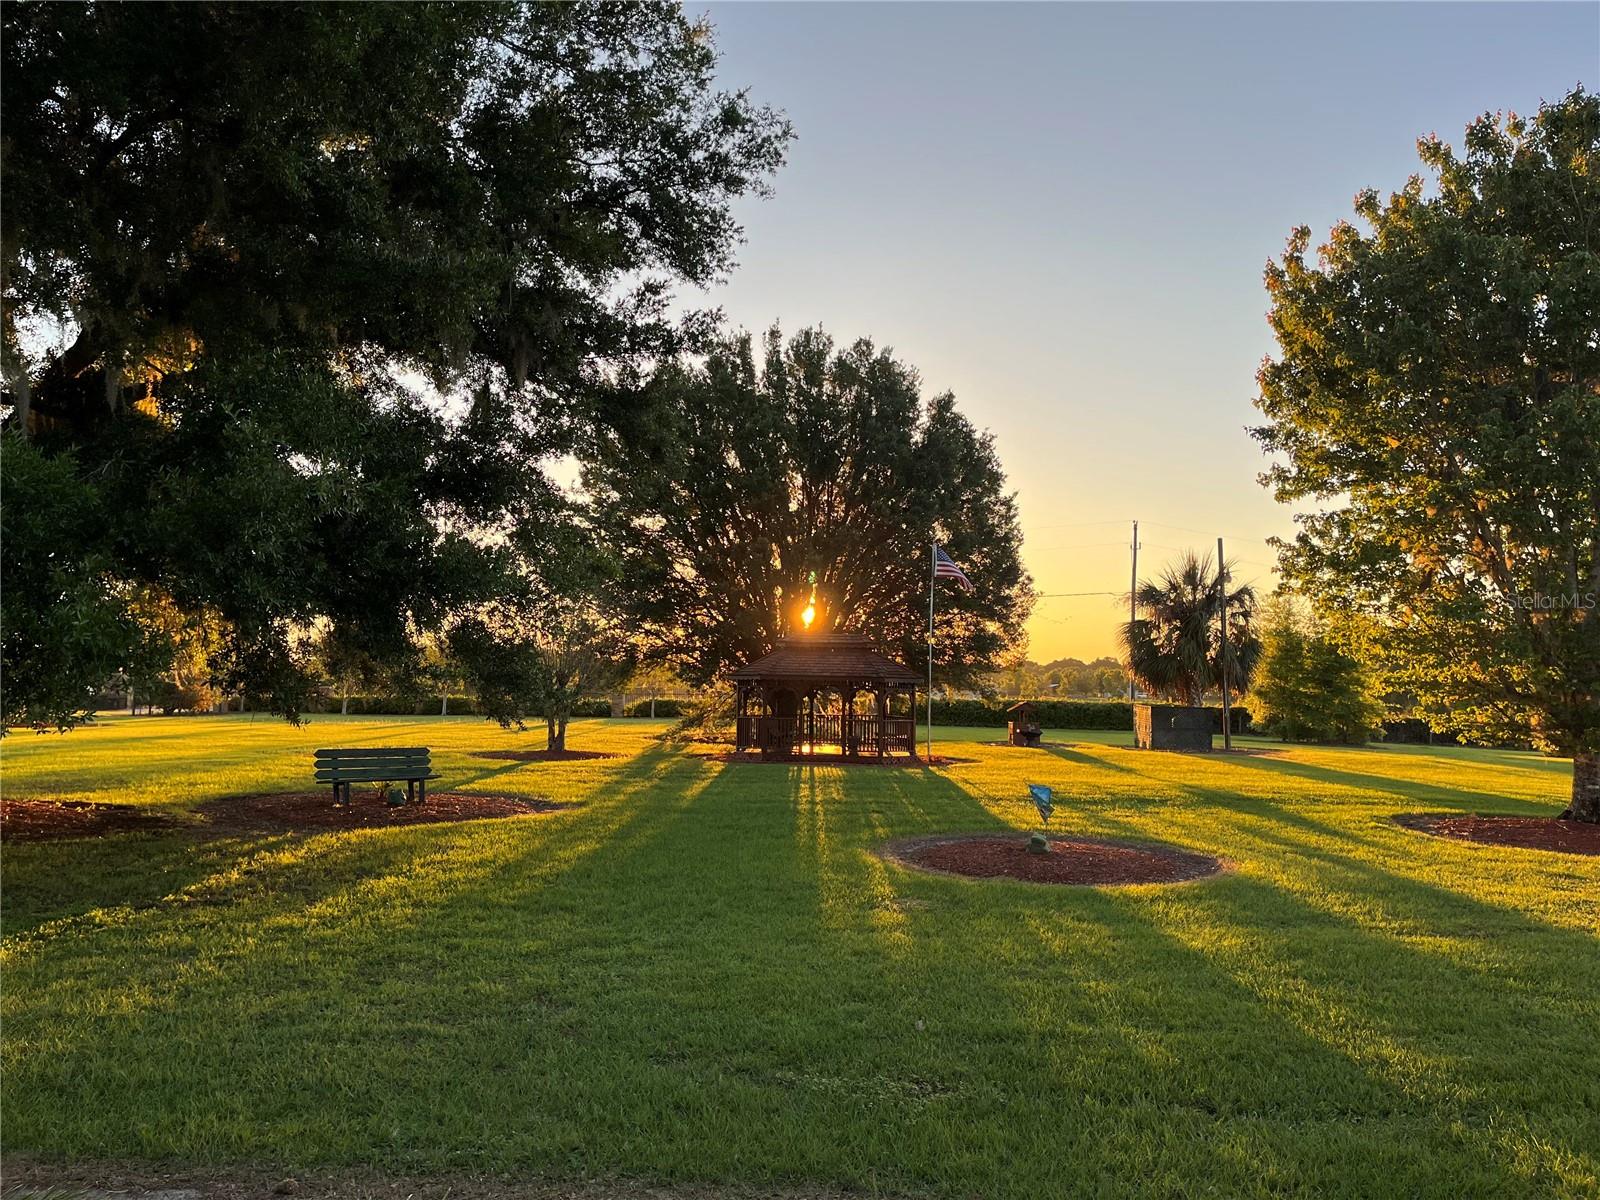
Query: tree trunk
pixel 444 706
pixel 555 733
pixel 344 706
pixel 1585 804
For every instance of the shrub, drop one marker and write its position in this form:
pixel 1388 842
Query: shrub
pixel 1059 714
pixel 665 709
pixel 1310 686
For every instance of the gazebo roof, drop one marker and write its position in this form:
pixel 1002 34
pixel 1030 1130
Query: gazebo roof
pixel 826 656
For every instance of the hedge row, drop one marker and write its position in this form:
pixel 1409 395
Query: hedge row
pixel 404 706
pixel 669 709
pixel 1062 714
pixel 398 706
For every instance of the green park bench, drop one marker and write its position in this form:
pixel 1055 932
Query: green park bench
pixel 376 764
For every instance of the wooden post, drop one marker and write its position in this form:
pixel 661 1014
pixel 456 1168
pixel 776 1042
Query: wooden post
pixel 1222 648
pixel 1133 603
pixel 933 578
pixel 883 720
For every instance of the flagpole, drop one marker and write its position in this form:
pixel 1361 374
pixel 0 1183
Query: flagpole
pixel 933 573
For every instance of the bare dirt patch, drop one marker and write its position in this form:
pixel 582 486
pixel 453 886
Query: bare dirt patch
pixel 315 812
pixel 49 820
pixel 1527 833
pixel 137 1181
pixel 541 755
pixel 1070 860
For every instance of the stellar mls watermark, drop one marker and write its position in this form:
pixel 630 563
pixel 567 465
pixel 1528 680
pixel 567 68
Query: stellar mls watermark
pixel 1556 601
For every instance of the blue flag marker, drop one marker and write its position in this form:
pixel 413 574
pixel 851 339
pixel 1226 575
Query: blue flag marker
pixel 1043 800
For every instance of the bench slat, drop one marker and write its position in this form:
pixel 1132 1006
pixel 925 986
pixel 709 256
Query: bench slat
pixel 367 764
pixel 379 775
pixel 378 765
pixel 375 752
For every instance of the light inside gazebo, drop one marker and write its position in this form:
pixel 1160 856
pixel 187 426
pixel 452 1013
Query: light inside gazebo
pixel 808 615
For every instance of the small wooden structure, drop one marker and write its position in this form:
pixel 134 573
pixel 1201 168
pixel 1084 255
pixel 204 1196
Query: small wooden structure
pixel 825 694
pixel 1022 725
pixel 1172 727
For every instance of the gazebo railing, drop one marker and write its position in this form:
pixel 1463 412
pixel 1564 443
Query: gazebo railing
pixel 794 735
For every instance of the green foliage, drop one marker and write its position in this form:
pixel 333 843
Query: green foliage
pixel 541 660
pixel 1175 646
pixel 663 708
pixel 65 619
pixel 1436 397
pixel 728 486
pixel 1308 686
pixel 270 232
pixel 1059 714
pixel 1024 679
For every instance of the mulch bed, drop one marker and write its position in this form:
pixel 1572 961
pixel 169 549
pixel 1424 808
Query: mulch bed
pixel 316 811
pixel 541 755
pixel 1527 833
pixel 834 760
pixel 48 820
pixel 1070 861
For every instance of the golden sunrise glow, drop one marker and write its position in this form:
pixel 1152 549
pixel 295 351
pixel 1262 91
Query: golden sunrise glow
pixel 808 615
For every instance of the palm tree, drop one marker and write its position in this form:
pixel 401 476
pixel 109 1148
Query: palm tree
pixel 1174 648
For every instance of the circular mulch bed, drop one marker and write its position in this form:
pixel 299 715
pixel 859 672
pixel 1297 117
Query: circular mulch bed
pixel 47 820
pixel 1040 746
pixel 316 811
pixel 541 755
pixel 1527 833
pixel 1071 860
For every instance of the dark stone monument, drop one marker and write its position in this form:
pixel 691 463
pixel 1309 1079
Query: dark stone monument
pixel 1172 727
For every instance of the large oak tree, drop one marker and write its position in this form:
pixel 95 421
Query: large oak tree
pixel 327 282
pixel 725 488
pixel 1437 397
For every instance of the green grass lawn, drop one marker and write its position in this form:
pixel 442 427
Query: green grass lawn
pixel 704 973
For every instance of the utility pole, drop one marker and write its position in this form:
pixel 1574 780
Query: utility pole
pixel 1222 648
pixel 1133 602
pixel 933 577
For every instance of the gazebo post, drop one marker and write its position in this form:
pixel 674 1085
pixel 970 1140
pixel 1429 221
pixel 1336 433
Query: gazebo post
pixel 913 743
pixel 882 720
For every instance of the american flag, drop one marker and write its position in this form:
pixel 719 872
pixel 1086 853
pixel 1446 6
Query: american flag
pixel 945 568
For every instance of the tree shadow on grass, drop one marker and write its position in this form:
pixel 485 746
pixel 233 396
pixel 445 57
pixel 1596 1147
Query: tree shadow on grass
pixel 58 883
pixel 707 973
pixel 1087 760
pixel 1145 1044
pixel 1412 790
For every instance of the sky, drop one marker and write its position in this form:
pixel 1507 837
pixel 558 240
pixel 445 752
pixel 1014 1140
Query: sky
pixel 1062 212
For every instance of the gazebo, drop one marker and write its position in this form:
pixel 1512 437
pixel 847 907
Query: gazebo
pixel 801 700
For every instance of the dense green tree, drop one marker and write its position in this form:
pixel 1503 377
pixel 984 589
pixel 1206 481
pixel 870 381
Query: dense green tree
pixel 541 659
pixel 732 485
pixel 1309 684
pixel 297 296
pixel 342 667
pixel 178 673
pixel 64 620
pixel 1437 396
pixel 1175 645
